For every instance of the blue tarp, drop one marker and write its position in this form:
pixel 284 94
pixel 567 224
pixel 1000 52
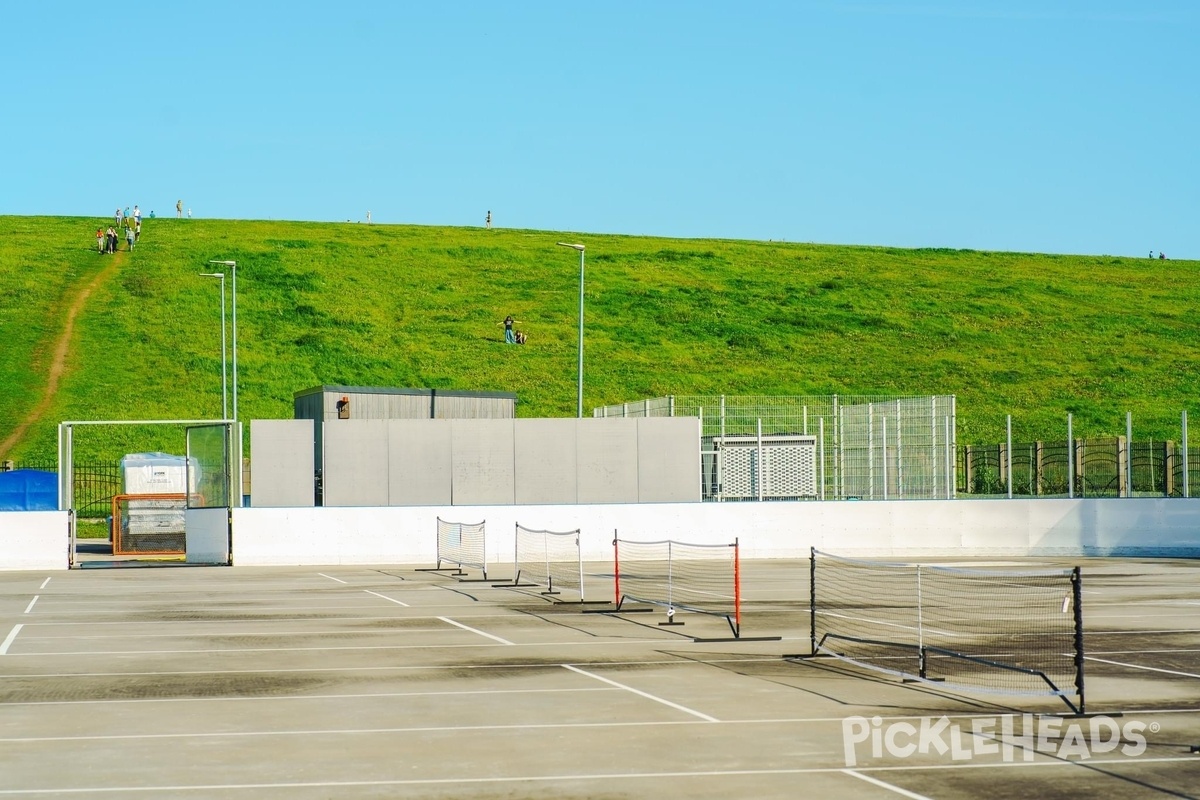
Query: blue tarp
pixel 28 490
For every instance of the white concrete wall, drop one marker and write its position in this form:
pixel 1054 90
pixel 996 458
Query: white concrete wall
pixel 1133 527
pixel 34 540
pixel 407 535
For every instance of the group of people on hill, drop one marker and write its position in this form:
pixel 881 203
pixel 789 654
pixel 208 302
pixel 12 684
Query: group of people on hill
pixel 126 223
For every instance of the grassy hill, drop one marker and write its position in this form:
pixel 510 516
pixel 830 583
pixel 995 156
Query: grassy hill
pixel 318 303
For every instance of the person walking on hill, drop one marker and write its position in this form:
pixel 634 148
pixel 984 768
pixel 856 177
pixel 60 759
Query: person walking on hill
pixel 129 238
pixel 179 209
pixel 117 219
pixel 110 240
pixel 137 216
pixel 488 221
pixel 99 240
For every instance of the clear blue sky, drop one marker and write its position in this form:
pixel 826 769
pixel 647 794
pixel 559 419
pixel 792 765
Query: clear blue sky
pixel 1033 125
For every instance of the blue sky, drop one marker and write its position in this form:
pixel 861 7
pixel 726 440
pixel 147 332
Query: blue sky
pixel 1052 126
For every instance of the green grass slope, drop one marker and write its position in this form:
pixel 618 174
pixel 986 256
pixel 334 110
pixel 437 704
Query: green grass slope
pixel 1036 336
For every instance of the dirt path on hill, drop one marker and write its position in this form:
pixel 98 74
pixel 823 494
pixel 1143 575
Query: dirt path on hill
pixel 62 346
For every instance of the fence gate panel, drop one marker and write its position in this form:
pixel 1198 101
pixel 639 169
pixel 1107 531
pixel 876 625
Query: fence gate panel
pixel 210 497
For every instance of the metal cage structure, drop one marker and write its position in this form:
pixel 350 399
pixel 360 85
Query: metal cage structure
pixel 849 447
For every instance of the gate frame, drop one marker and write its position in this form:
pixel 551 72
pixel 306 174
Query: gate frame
pixel 66 465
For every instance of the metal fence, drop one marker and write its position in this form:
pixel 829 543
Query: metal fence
pixel 817 447
pixel 1107 467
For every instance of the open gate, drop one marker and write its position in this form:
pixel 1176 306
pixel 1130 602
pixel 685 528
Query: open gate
pixel 213 480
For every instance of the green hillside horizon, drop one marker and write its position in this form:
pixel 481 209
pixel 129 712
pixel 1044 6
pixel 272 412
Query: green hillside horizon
pixel 1035 336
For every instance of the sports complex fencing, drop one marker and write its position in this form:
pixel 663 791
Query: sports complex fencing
pixel 548 558
pixel 999 631
pixel 701 578
pixel 821 448
pixel 463 545
pixel 1109 467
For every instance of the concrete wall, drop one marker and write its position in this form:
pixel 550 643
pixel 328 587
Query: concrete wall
pixel 371 462
pixel 34 540
pixel 1146 527
pixel 964 528
pixel 283 462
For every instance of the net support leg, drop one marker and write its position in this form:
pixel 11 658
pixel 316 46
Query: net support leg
pixel 812 599
pixel 1077 603
pixel 616 571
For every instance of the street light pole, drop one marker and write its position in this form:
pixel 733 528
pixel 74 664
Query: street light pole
pixel 224 359
pixel 580 248
pixel 233 266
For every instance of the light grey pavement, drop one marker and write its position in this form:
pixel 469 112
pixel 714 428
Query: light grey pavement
pixel 379 682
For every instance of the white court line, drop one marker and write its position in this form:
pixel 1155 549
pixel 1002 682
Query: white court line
pixel 29 607
pixel 385 597
pixel 227 621
pixel 1139 666
pixel 640 693
pixel 9 639
pixel 473 630
pixel 1128 603
pixel 323 575
pixel 291 698
pixel 43 586
pixel 227 634
pixel 423 730
pixel 871 621
pixel 227 650
pixel 585 776
pixel 1135 652
pixel 1135 632
pixel 885 785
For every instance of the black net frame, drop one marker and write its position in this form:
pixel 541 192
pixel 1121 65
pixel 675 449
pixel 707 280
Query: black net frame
pixel 999 631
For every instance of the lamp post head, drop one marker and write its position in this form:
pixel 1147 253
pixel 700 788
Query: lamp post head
pixel 220 275
pixel 225 263
pixel 578 247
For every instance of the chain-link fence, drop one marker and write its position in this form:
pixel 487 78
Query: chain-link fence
pixel 818 447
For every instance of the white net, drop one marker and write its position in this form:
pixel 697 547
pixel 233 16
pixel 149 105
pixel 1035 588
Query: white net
pixel 462 544
pixel 549 558
pixel 1002 630
pixel 703 578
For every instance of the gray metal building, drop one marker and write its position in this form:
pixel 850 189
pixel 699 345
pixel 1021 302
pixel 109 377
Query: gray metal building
pixel 329 404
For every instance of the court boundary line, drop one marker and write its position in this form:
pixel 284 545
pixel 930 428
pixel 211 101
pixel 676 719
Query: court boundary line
pixel 602 776
pixel 8 640
pixel 1148 669
pixel 640 693
pixel 885 785
pixel 295 697
pixel 389 599
pixel 472 630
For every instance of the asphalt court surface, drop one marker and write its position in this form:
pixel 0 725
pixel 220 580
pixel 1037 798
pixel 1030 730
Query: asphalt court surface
pixel 377 682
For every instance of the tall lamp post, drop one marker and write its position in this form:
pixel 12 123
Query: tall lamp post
pixel 233 266
pixel 224 380
pixel 580 248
